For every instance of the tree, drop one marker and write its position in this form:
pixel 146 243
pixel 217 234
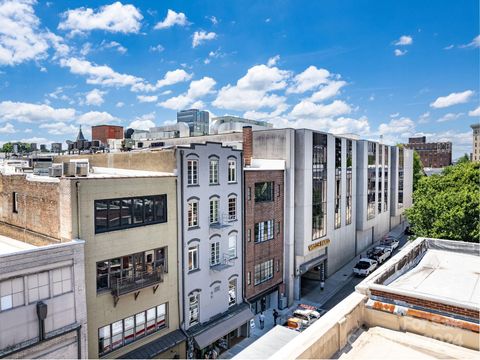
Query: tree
pixel 464 158
pixel 448 205
pixel 7 148
pixel 417 169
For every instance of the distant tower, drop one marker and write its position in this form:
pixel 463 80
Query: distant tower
pixel 80 136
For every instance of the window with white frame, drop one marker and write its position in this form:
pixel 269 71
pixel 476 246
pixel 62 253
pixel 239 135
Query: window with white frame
pixel 213 171
pixel 232 245
pixel 232 170
pixel 232 208
pixel 192 172
pixel 38 287
pixel 232 292
pixel 62 280
pixel 264 231
pixel 214 253
pixel 194 309
pixel 214 211
pixel 193 258
pixel 11 293
pixel 192 213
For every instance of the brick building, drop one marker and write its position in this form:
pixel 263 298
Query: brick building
pixel 105 132
pixel 264 218
pixel 433 155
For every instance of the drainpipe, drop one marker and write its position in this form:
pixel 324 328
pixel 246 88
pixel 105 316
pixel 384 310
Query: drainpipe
pixel 182 241
pixel 77 187
pixel 42 310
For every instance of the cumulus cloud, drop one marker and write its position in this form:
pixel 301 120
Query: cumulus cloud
pixel 92 118
pixel 7 129
pixel 157 48
pixel 397 128
pixel 475 43
pixel 309 110
pixel 309 79
pixel 170 78
pixel 424 118
pixel 327 91
pixel 273 60
pixel 199 37
pixel 399 52
pixel 172 19
pixel 404 40
pixel 143 122
pixel 27 112
pixel 114 45
pixel 95 97
pixel 116 18
pixel 475 112
pixel 452 99
pixel 147 99
pixel 450 117
pixel 59 128
pixel 120 104
pixel 196 90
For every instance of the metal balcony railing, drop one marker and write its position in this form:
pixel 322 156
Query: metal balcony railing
pixel 225 263
pixel 137 281
pixel 223 221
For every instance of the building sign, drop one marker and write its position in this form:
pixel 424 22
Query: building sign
pixel 318 244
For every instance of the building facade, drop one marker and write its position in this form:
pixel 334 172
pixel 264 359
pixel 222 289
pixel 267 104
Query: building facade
pixel 432 155
pixel 198 121
pixel 476 142
pixel 211 228
pixel 104 132
pixel 228 124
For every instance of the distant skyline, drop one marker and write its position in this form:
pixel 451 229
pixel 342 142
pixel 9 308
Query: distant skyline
pixel 390 68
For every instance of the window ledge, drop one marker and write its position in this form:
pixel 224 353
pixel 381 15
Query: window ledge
pixel 232 182
pixel 193 227
pixel 193 271
pixel 193 185
pixel 214 184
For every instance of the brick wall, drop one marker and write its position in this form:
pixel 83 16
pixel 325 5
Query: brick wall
pixel 428 304
pixel 256 253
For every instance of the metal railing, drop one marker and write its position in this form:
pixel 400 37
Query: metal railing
pixel 137 281
pixel 223 221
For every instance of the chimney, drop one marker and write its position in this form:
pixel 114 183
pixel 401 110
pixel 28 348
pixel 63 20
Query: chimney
pixel 247 145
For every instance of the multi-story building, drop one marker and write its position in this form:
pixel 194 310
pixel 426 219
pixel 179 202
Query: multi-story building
pixel 103 133
pixel 198 121
pixel 476 142
pixel 56 147
pixel 263 229
pixel 228 124
pixel 128 221
pixel 432 155
pixel 211 230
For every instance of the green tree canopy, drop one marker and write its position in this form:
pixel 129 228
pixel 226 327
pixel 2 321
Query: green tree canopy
pixel 417 169
pixel 448 205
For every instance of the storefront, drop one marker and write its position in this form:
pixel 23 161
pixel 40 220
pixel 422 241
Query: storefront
pixel 267 300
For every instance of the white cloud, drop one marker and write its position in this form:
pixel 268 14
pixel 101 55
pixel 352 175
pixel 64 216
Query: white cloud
pixel 273 60
pixel 143 122
pixel 114 45
pixel 173 77
pixel 95 97
pixel 120 104
pixel 475 112
pixel 157 48
pixel 59 128
pixel 450 117
pixel 92 118
pixel 449 47
pixel 399 52
pixel 166 92
pixel 308 110
pixel 172 19
pixel 309 79
pixel 475 43
pixel 196 90
pixel 404 40
pixel 115 18
pixel 201 36
pixel 27 112
pixel 402 127
pixel 330 90
pixel 424 118
pixel 213 19
pixel 7 129
pixel 147 99
pixel 86 48
pixel 452 99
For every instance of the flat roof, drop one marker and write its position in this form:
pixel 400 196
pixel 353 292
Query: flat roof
pixel 9 245
pixel 265 164
pixel 444 274
pixel 381 343
pixel 268 344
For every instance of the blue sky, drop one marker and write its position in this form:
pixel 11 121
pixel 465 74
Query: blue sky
pixel 372 68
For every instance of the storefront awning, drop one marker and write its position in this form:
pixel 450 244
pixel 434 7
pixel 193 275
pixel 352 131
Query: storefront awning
pixel 220 329
pixel 156 347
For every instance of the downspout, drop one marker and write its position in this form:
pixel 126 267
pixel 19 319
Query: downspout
pixel 77 186
pixel 182 254
pixel 79 342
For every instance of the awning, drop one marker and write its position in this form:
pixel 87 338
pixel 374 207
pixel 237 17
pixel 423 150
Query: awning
pixel 222 328
pixel 156 347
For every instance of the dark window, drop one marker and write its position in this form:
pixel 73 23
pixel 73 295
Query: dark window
pixel 348 210
pixel 338 183
pixel 319 186
pixel 371 179
pixel 400 177
pixel 116 214
pixel 263 191
pixel 264 231
pixel 15 202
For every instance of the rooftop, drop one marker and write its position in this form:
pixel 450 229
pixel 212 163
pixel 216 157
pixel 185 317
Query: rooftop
pixel 266 164
pixel 9 245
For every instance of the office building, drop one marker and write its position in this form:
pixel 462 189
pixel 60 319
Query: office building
pixel 173 131
pixel 476 142
pixel 432 155
pixel 103 133
pixel 56 147
pixel 198 121
pixel 228 124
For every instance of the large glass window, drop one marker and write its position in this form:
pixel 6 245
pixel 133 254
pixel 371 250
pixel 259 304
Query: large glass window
pixel 348 210
pixel 338 183
pixel 214 253
pixel 232 171
pixel 319 186
pixel 380 176
pixel 385 180
pixel 194 309
pixel 371 180
pixel 11 293
pixel 214 211
pixel 213 171
pixel 232 246
pixel 192 172
pixel 192 220
pixel 232 208
pixel 400 177
pixel 264 231
pixel 232 292
pixel 192 258
pixel 264 191
pixel 263 271
pixel 123 332
pixel 116 214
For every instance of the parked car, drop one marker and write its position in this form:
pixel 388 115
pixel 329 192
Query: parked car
pixel 365 267
pixel 297 324
pixel 379 254
pixel 391 242
pixel 309 315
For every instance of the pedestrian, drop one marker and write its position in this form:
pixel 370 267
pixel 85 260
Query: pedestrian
pixel 275 316
pixel 262 320
pixel 322 285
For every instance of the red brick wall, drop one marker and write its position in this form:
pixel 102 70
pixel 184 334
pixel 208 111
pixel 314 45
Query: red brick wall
pixel 104 132
pixel 256 253
pixel 428 304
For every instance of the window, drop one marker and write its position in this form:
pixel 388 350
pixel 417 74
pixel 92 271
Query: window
pixel 193 301
pixel 232 208
pixel 15 202
pixel 132 328
pixel 264 231
pixel 371 180
pixel 400 177
pixel 116 214
pixel 263 271
pixel 249 278
pixel 263 191
pixel 11 293
pixel 144 265
pixel 213 211
pixel 213 172
pixel 192 172
pixel 62 280
pixel 348 198
pixel 338 183
pixel 192 213
pixel 249 193
pixel 38 287
pixel 385 181
pixel 380 174
pixel 232 171
pixel 232 246
pixel 192 258
pixel 232 292
pixel 214 253
pixel 319 186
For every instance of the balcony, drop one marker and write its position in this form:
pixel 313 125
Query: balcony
pixel 136 282
pixel 224 264
pixel 223 222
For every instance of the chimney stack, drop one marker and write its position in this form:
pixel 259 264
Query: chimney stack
pixel 247 145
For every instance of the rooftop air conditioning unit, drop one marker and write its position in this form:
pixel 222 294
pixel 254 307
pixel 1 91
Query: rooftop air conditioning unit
pixel 81 169
pixel 69 168
pixel 56 170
